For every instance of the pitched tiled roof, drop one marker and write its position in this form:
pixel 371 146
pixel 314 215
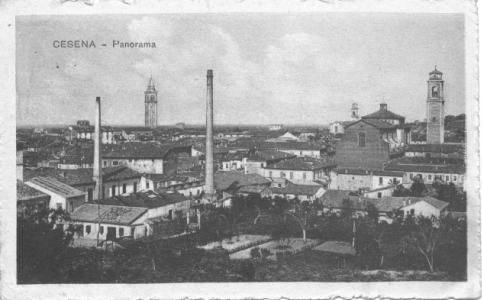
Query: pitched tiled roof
pixel 224 180
pixel 120 215
pixel 383 114
pixel 135 150
pixel 297 189
pixel 82 176
pixel 335 198
pixel 432 201
pixel 378 123
pixel 424 168
pixel 55 186
pixel 437 148
pixel 252 189
pixel 147 199
pixel 358 171
pixel 389 203
pixel 300 164
pixel 25 192
pixel 216 150
pixel 267 155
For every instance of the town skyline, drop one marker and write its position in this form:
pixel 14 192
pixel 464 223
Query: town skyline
pixel 295 65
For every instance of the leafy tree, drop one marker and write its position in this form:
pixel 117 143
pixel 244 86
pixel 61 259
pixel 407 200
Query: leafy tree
pixel 304 214
pixel 247 270
pixel 40 244
pixel 418 187
pixel 449 193
pixel 372 213
pixel 401 191
pixel 425 239
pixel 279 206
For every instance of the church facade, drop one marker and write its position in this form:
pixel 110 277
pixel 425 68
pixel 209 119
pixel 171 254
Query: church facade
pixel 151 105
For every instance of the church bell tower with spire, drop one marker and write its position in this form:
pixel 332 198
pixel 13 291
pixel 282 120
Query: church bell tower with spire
pixel 151 104
pixel 435 108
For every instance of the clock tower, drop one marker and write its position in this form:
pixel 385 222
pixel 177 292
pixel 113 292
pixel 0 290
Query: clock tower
pixel 435 108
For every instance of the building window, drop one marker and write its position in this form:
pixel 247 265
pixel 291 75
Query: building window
pixel 124 188
pixel 447 178
pixel 380 180
pixel 101 231
pixel 71 206
pixel 361 139
pixel 59 205
pixel 87 229
pixel 379 195
pixel 105 163
pixel 455 178
pixel 147 184
pixel 135 187
pixel 429 177
pixel 90 194
pixel 113 190
pixel 121 231
pixel 412 212
pixel 115 162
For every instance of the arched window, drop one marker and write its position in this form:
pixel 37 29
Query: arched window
pixel 152 98
pixel 435 91
pixel 361 139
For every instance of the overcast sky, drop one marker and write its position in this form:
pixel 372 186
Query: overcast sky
pixel 268 68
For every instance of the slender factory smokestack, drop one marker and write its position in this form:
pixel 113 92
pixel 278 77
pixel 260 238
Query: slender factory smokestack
pixel 209 139
pixel 97 172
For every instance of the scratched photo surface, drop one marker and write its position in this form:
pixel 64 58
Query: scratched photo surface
pixel 241 147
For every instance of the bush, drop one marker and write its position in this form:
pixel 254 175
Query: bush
pixel 265 253
pixel 255 253
pixel 247 270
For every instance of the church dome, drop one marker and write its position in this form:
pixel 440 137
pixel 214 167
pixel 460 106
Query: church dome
pixel 435 72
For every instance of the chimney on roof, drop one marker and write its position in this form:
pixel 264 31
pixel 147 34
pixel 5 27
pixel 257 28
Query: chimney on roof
pixel 383 106
pixel 210 193
pixel 97 172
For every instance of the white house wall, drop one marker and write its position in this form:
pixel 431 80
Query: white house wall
pixel 152 166
pixel 421 208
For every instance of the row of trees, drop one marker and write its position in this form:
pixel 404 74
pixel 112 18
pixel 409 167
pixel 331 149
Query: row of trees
pixel 447 192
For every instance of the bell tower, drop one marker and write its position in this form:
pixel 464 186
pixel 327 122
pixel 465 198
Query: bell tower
pixel 435 108
pixel 151 105
pixel 354 112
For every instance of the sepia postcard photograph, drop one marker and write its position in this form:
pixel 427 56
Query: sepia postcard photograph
pixel 247 149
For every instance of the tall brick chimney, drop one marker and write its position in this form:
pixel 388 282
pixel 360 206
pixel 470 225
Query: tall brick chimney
pixel 209 193
pixel 97 174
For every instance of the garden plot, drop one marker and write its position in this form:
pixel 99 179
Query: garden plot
pixel 237 242
pixel 291 245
